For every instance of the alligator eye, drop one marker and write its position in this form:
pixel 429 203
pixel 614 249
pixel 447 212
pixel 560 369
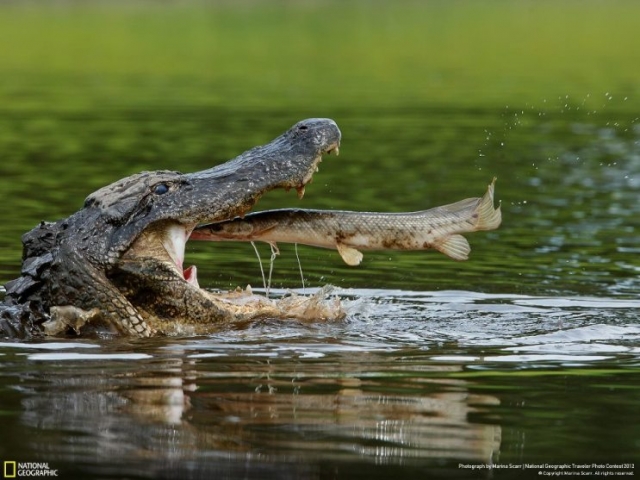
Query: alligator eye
pixel 161 189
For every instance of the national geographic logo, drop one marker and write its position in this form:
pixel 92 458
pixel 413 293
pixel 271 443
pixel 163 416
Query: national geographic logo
pixel 28 469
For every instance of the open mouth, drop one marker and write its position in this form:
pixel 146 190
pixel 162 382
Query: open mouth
pixel 166 241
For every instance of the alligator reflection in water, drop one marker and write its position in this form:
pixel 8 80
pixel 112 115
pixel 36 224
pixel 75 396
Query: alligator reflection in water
pixel 173 408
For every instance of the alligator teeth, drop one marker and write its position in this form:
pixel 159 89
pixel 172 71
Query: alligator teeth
pixel 300 191
pixel 335 150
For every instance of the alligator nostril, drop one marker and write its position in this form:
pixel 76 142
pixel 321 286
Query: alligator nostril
pixel 303 127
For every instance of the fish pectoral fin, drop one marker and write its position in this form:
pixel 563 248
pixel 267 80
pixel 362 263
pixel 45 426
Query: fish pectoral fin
pixel 454 246
pixel 350 255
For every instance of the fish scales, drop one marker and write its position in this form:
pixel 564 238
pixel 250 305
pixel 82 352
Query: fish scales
pixel 350 232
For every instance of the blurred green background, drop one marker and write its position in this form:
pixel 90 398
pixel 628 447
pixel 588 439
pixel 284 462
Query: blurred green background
pixel 335 54
pixel 433 98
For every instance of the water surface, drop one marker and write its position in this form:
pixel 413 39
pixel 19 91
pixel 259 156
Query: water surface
pixel 411 383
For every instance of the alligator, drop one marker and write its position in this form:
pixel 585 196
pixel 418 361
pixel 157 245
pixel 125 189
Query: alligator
pixel 115 267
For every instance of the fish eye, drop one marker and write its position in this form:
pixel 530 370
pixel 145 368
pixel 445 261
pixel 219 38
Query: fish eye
pixel 161 189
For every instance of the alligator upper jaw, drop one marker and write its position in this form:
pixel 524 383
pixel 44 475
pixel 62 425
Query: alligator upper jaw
pixel 288 162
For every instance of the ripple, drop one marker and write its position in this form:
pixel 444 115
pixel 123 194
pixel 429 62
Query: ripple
pixel 88 356
pixel 517 328
pixel 555 358
pixel 47 346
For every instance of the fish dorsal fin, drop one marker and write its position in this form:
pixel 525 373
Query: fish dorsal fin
pixel 350 255
pixel 454 246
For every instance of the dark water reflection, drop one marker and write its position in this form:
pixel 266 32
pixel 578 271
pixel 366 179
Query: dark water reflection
pixel 528 352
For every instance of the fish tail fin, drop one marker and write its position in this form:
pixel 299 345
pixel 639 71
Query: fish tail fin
pixel 480 212
pixel 454 246
pixel 488 217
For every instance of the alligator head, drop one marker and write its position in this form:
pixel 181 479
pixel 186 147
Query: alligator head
pixel 117 264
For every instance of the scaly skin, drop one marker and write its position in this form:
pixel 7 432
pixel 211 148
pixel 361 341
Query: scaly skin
pixel 116 265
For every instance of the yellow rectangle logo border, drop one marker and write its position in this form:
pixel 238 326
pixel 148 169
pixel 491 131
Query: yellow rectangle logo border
pixel 6 472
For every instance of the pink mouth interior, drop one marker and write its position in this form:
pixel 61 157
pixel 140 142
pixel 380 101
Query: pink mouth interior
pixel 191 275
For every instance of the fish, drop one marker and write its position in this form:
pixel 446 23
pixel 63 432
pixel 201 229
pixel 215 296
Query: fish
pixel 351 232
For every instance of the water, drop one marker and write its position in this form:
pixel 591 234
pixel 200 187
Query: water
pixel 526 354
pixel 411 383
